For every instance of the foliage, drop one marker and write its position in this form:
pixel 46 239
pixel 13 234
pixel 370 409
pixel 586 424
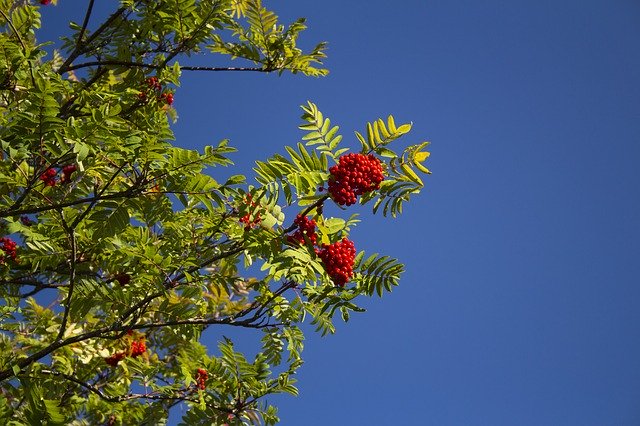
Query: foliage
pixel 119 249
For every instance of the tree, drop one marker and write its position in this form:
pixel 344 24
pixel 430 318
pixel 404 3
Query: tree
pixel 118 248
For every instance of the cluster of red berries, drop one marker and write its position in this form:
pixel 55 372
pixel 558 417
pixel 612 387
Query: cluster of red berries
pixel 338 260
pixel 306 231
pixel 114 359
pixel 354 175
pixel 49 176
pixel 201 378
pixel 254 217
pixel 154 85
pixel 67 171
pixel 10 248
pixel 137 348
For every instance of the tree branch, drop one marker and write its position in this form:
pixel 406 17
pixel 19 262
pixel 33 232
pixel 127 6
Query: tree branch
pixel 79 50
pixel 85 22
pixel 151 396
pixel 157 67
pixel 72 278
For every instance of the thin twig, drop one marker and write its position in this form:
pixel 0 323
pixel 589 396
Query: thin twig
pixel 72 277
pixel 79 50
pixel 85 22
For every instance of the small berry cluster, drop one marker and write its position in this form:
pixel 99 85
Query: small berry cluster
pixel 154 85
pixel 254 217
pixel 306 228
pixel 354 175
pixel 338 260
pixel 10 248
pixel 49 176
pixel 67 171
pixel 201 378
pixel 114 359
pixel 137 348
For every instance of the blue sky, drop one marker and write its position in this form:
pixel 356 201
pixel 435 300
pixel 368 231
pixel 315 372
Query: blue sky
pixel 520 304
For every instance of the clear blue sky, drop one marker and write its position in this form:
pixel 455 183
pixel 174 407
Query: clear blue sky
pixel 521 301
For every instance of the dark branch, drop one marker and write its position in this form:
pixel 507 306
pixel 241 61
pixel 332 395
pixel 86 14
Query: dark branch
pixel 83 30
pixel 80 46
pixel 156 67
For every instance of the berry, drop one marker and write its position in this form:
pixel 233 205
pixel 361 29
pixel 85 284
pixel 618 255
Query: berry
pixel 153 83
pixel 49 177
pixel 337 259
pixel 122 278
pixel 201 378
pixel 45 2
pixel 306 228
pixel 354 175
pixel 167 97
pixel 9 247
pixel 138 348
pixel 114 359
pixel 66 173
pixel 254 217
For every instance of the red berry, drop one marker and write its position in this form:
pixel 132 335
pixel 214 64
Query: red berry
pixel 66 173
pixel 114 359
pixel 138 348
pixel 49 177
pixel 10 248
pixel 338 260
pixel 201 378
pixel 167 97
pixel 45 2
pixel 306 228
pixel 355 174
pixel 153 83
pixel 253 217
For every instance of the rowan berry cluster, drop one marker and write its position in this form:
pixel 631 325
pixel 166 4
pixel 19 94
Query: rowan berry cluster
pixel 338 260
pixel 153 84
pixel 67 171
pixel 253 217
pixel 49 177
pixel 354 175
pixel 306 231
pixel 10 249
pixel 136 348
pixel 114 359
pixel 201 378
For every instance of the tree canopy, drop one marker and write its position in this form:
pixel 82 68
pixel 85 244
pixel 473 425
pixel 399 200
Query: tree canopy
pixel 119 248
